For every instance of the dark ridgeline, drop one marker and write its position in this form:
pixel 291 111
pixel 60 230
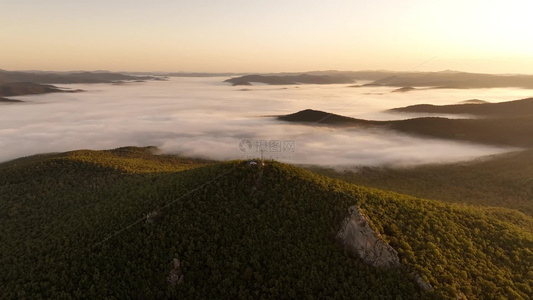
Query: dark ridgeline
pixel 16 83
pixel 68 77
pixel 506 124
pixel 289 79
pixel 28 88
pixel 6 100
pixel 475 107
pixel 444 79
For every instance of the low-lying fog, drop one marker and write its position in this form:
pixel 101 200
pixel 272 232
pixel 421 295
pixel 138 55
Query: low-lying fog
pixel 208 118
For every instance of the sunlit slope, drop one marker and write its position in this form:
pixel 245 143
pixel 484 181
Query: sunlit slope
pixel 75 225
pixel 125 159
pixel 504 180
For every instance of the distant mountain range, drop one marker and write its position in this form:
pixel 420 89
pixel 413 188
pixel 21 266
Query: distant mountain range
pixel 196 74
pixel 444 79
pixel 16 83
pixel 69 77
pixel 456 80
pixel 289 79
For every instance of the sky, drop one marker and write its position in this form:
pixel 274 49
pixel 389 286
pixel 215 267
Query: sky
pixel 489 36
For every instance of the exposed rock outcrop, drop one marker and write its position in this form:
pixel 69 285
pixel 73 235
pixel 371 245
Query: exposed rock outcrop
pixel 154 217
pixel 422 283
pixel 361 240
pixel 176 274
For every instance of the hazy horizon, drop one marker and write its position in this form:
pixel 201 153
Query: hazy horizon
pixel 163 73
pixel 267 36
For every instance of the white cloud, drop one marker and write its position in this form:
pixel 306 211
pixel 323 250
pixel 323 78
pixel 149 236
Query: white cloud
pixel 205 117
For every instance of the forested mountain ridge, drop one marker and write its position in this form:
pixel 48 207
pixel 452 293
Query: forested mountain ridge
pixel 289 79
pixel 508 108
pixel 80 225
pixel 68 77
pixel 502 130
pixel 443 79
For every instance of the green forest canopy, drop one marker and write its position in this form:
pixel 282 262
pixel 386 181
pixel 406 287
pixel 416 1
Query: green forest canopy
pixel 75 225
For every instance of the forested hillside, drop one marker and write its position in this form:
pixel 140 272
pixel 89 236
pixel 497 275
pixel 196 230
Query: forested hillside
pixel 504 180
pixel 130 224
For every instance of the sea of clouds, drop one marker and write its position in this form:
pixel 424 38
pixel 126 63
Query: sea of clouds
pixel 204 117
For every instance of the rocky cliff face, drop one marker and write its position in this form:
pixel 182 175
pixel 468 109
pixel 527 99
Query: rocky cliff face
pixel 361 240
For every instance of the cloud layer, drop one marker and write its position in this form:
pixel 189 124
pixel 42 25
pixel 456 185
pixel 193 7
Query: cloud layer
pixel 205 117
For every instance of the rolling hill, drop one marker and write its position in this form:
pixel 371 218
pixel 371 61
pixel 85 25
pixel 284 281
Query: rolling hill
pixel 506 130
pixel 127 223
pixel 509 108
pixel 322 118
pixel 503 180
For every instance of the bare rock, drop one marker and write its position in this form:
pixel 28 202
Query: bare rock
pixel 422 283
pixel 154 217
pixel 361 240
pixel 176 274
